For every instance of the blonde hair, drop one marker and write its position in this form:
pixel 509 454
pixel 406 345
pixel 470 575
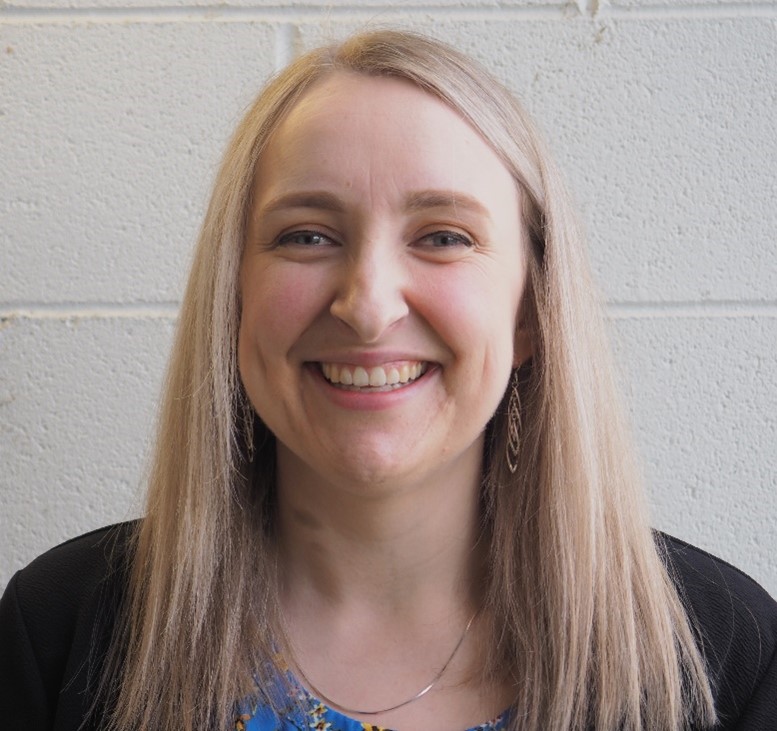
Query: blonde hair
pixel 587 623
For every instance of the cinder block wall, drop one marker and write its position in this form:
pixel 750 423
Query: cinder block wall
pixel 113 114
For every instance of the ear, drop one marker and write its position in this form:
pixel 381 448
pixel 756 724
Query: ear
pixel 523 348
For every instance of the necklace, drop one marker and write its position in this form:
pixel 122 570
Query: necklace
pixel 420 694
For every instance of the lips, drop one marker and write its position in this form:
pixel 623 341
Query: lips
pixel 388 376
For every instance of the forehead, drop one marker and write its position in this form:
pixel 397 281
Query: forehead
pixel 359 131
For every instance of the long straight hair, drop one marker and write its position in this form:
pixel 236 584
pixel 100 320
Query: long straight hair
pixel 587 623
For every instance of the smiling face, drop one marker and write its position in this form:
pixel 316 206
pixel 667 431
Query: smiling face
pixel 380 285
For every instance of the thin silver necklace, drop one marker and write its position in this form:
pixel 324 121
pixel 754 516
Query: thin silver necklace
pixel 421 693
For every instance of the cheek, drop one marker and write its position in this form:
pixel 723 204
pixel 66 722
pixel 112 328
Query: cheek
pixel 277 304
pixel 475 306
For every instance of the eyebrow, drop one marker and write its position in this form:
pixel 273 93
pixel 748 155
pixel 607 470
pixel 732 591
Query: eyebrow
pixel 425 199
pixel 319 200
pixel 415 202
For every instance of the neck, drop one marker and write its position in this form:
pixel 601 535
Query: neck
pixel 385 579
pixel 400 549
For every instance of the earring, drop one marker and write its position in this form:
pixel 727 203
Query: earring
pixel 247 416
pixel 513 425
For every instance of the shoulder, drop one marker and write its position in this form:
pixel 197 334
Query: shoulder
pixel 64 584
pixel 736 622
pixel 77 565
pixel 56 617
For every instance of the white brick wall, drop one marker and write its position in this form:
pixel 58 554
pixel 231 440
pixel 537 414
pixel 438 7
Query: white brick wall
pixel 113 114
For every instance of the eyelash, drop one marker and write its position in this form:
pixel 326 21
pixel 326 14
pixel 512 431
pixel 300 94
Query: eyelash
pixel 288 238
pixel 291 238
pixel 458 239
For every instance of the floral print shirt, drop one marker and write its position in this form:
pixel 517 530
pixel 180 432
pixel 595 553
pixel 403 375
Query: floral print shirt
pixel 307 713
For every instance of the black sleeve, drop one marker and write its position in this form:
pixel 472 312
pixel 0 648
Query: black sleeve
pixel 760 713
pixel 23 699
pixel 56 623
pixel 736 623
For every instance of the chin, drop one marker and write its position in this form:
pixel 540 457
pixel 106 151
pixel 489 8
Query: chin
pixel 367 469
pixel 371 474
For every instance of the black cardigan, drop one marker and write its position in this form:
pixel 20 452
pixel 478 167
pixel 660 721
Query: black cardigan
pixel 56 618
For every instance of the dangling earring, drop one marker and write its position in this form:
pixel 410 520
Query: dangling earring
pixel 513 424
pixel 248 427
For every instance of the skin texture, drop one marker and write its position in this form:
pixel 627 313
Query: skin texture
pixel 384 231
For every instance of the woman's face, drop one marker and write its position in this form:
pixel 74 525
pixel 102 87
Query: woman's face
pixel 381 283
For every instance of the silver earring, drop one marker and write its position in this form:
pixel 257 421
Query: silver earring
pixel 513 424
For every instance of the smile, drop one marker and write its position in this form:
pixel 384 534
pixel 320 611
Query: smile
pixel 386 377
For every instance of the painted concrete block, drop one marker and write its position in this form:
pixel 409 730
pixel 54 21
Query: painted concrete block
pixel 702 395
pixel 111 134
pixel 78 403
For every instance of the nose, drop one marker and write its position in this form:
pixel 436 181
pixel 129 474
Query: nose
pixel 370 296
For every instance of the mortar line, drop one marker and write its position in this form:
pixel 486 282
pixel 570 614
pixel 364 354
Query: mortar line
pixel 284 45
pixel 684 310
pixel 585 9
pixel 588 8
pixel 660 11
pixel 291 15
pixel 169 310
pixel 579 10
pixel 90 311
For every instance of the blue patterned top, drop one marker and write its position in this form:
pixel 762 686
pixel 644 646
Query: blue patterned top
pixel 307 713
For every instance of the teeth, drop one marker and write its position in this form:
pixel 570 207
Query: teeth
pixel 360 377
pixel 393 375
pixel 378 377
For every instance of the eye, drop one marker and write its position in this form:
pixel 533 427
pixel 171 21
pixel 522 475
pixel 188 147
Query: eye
pixel 305 238
pixel 446 240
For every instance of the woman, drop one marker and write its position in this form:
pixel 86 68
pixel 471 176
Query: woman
pixel 391 486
